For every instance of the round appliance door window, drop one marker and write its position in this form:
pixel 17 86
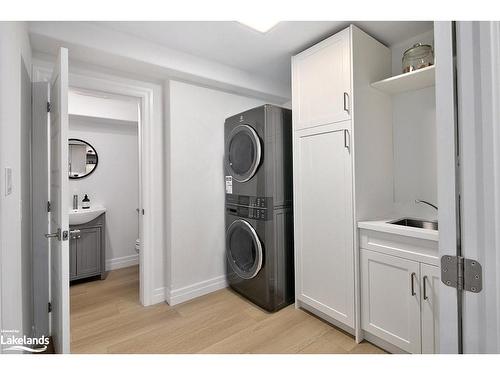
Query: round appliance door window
pixel 243 249
pixel 243 153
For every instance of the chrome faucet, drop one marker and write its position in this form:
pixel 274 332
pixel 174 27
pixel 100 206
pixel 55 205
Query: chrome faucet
pixel 427 203
pixel 75 202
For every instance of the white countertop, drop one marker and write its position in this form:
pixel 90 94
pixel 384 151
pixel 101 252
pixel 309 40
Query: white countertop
pixel 387 227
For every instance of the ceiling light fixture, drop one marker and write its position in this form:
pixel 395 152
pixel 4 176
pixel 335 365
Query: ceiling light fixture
pixel 261 25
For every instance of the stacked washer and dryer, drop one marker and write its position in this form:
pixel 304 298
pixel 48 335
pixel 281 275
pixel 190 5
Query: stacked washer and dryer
pixel 259 217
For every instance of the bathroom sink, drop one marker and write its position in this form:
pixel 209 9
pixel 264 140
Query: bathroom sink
pixel 82 216
pixel 416 223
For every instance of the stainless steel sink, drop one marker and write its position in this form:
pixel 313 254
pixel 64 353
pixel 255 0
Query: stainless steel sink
pixel 416 223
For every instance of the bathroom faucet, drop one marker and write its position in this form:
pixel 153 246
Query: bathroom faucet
pixel 75 202
pixel 427 203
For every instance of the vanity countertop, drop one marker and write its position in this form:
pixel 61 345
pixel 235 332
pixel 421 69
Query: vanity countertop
pixel 84 215
pixel 386 227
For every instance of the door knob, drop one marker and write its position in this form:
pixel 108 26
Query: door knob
pixel 54 235
pixel 60 235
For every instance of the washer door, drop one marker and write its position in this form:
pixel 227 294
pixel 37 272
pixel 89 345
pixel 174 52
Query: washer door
pixel 243 153
pixel 243 249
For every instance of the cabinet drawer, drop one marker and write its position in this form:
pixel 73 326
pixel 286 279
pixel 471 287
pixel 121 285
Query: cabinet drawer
pixel 416 249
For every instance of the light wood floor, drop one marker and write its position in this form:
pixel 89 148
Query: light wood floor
pixel 106 317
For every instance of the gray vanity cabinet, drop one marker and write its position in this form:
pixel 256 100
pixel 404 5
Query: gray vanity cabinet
pixel 87 249
pixel 72 257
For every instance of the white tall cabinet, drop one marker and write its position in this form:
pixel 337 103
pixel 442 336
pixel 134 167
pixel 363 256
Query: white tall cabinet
pixel 324 216
pixel 342 167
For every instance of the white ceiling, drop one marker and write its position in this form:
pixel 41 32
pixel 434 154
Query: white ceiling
pixel 267 55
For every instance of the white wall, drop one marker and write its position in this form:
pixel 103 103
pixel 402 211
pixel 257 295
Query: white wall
pixel 102 105
pixel 414 135
pixel 113 184
pixel 15 50
pixel 97 45
pixel 196 187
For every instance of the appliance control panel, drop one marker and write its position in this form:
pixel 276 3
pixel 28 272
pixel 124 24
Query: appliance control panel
pixel 249 212
pixel 249 201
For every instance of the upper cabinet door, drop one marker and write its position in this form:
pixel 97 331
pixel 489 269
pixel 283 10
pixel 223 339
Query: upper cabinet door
pixel 321 83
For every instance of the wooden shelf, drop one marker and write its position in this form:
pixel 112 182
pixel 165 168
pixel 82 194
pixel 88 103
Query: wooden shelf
pixel 415 80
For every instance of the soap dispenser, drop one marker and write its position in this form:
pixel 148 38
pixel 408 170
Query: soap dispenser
pixel 86 202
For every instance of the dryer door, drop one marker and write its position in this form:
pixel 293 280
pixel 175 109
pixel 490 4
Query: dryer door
pixel 243 249
pixel 243 153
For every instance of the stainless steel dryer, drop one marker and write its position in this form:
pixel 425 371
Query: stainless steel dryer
pixel 258 154
pixel 259 251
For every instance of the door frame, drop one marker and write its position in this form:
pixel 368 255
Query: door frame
pixel 447 170
pixel 152 194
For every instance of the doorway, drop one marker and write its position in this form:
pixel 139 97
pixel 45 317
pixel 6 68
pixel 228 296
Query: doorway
pixel 104 128
pixel 147 191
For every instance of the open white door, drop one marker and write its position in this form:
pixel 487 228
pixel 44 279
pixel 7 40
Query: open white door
pixel 59 216
pixel 478 77
pixel 468 116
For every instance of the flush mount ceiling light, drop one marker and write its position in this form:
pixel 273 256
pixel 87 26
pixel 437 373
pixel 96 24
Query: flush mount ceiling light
pixel 261 25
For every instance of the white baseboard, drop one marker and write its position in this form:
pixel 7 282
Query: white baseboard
pixel 122 262
pixel 196 290
pixel 159 296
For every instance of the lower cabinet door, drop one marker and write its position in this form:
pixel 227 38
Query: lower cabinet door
pixel 390 299
pixel 323 223
pixel 431 279
pixel 88 260
pixel 72 257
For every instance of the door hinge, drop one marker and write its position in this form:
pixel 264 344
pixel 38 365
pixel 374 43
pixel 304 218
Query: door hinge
pixel 49 106
pixel 461 273
pixel 48 206
pixel 49 307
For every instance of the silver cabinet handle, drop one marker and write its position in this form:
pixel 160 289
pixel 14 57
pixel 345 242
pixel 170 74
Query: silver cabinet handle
pixel 424 281
pixel 412 282
pixel 346 102
pixel 346 139
pixel 75 234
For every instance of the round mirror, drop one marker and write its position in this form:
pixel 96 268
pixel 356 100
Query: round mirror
pixel 82 157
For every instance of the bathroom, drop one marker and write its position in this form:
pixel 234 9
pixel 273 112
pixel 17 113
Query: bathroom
pixel 104 129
